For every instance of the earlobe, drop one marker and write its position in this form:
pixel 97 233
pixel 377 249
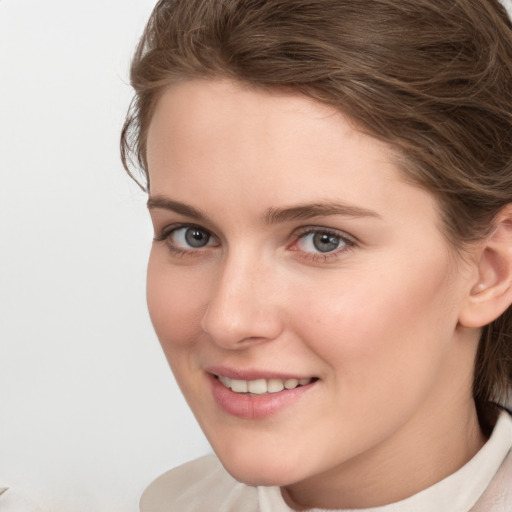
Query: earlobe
pixel 491 294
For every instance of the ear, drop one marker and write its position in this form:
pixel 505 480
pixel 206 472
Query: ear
pixel 491 293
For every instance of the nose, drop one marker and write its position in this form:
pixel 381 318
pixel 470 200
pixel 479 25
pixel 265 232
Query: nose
pixel 243 307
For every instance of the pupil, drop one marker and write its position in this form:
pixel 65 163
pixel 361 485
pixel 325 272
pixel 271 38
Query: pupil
pixel 196 237
pixel 324 242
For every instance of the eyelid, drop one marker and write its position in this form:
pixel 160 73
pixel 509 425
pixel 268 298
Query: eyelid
pixel 343 235
pixel 350 243
pixel 164 235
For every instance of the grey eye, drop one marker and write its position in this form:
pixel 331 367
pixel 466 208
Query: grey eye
pixel 325 242
pixel 196 237
pixel 190 237
pixel 320 241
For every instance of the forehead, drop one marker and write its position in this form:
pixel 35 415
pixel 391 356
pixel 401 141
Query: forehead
pixel 189 111
pixel 212 140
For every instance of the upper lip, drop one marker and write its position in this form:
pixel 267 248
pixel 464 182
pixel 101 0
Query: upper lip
pixel 252 373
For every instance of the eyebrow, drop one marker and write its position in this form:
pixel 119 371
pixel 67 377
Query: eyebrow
pixel 272 215
pixel 307 211
pixel 163 203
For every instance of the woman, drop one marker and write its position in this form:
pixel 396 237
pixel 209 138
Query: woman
pixel 330 184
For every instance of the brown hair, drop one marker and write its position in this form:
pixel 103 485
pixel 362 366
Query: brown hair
pixel 433 78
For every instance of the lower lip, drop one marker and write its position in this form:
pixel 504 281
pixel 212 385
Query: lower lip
pixel 255 406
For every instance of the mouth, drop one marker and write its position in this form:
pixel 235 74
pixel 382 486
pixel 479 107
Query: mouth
pixel 257 395
pixel 258 387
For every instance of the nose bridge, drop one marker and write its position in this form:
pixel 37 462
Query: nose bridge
pixel 242 306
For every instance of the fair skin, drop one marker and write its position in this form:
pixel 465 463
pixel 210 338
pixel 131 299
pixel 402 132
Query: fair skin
pixel 362 297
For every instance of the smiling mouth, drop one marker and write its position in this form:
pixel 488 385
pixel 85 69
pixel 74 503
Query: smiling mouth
pixel 262 386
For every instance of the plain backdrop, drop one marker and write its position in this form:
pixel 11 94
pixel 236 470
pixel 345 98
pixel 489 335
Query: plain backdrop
pixel 89 412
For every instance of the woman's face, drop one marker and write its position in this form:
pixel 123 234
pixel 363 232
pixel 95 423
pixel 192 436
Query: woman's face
pixel 288 251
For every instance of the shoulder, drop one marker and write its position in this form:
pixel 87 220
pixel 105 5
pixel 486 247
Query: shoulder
pixel 202 484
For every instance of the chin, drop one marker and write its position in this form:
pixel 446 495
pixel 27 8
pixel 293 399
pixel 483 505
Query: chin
pixel 257 469
pixel 258 475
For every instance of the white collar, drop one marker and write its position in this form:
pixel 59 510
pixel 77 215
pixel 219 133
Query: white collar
pixel 444 496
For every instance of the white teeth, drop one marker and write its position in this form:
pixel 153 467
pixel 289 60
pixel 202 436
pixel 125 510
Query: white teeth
pixel 239 386
pixel 225 380
pixel 258 387
pixel 291 383
pixel 262 386
pixel 275 385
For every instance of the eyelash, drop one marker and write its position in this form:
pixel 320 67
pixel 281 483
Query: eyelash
pixel 165 236
pixel 348 242
pixel 324 257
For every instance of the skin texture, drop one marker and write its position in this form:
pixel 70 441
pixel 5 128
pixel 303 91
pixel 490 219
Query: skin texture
pixel 376 321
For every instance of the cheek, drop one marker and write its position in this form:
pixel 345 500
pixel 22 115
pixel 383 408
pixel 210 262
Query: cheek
pixel 383 325
pixel 175 301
